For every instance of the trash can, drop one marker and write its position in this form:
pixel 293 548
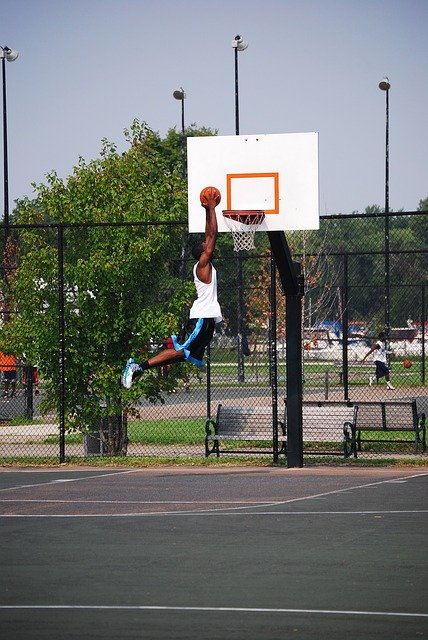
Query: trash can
pixel 93 445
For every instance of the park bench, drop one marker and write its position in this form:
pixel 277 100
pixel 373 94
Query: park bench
pixel 242 424
pixel 391 417
pixel 328 429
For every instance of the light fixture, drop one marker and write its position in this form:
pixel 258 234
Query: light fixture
pixel 238 43
pixel 384 84
pixel 179 94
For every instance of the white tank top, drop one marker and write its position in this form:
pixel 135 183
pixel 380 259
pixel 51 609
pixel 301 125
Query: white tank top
pixel 206 304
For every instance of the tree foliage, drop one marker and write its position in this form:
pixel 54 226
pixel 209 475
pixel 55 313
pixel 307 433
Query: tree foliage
pixel 120 296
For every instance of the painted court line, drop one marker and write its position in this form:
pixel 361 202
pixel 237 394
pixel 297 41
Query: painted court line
pixel 41 484
pixel 218 511
pixel 210 513
pixel 334 612
pixel 248 503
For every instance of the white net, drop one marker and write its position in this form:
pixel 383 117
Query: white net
pixel 243 225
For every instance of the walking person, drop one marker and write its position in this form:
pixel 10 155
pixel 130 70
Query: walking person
pixel 380 359
pixel 204 314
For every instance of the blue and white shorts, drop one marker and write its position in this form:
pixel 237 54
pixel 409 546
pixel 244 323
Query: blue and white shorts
pixel 200 334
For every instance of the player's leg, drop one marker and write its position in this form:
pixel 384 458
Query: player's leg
pixel 382 371
pixel 134 370
pixel 388 381
pixel 192 350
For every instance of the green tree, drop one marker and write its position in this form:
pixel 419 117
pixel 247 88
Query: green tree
pixel 423 204
pixel 121 297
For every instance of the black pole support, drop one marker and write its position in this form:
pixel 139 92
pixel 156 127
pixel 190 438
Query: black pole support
pixel 293 287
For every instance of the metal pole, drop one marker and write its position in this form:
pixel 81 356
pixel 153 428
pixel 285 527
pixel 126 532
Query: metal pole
pixel 179 94
pixel 294 374
pixel 385 85
pixel 183 151
pixel 240 284
pixel 5 159
pixel 273 362
pixel 387 263
pixel 6 53
pixel 29 408
pixel 345 323
pixel 61 332
pixel 236 94
pixel 208 382
pixel 423 319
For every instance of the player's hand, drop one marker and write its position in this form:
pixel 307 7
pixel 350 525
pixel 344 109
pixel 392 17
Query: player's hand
pixel 210 203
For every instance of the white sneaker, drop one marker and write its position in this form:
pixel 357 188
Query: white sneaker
pixel 371 380
pixel 131 368
pixel 390 387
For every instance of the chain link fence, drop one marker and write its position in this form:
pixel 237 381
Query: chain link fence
pixel 363 274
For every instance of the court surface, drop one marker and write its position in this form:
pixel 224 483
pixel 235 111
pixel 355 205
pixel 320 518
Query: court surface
pixel 230 552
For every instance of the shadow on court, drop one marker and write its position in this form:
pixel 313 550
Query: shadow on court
pixel 245 553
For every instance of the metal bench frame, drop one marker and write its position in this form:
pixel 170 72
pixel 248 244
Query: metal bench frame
pixel 381 418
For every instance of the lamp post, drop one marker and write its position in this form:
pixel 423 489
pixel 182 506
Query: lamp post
pixel 238 44
pixel 6 53
pixel 180 95
pixel 384 85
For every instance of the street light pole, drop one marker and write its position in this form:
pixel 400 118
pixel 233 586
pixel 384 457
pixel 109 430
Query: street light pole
pixel 384 85
pixel 5 54
pixel 239 45
pixel 179 94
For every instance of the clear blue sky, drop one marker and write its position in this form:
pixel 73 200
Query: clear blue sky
pixel 86 68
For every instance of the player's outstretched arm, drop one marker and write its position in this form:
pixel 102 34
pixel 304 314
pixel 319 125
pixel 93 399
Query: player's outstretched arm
pixel 369 352
pixel 204 264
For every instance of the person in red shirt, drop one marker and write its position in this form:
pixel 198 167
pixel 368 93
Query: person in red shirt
pixel 8 369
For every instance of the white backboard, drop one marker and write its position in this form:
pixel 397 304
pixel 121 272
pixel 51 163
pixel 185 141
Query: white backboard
pixel 277 173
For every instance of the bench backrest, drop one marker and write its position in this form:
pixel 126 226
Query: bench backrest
pixel 325 416
pixel 388 415
pixel 248 420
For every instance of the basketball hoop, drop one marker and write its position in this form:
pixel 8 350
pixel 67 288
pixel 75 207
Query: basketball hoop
pixel 243 224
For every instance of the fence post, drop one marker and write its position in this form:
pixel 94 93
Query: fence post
pixel 345 323
pixel 29 408
pixel 208 360
pixel 423 319
pixel 61 332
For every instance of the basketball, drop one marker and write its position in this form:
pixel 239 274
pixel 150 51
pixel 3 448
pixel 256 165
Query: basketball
pixel 407 364
pixel 210 191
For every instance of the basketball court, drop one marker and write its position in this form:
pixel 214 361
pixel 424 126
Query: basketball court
pixel 210 553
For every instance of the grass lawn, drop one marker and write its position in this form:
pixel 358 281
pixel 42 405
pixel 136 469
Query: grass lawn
pixel 172 431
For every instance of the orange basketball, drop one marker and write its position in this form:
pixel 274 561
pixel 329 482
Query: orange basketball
pixel 209 192
pixel 407 364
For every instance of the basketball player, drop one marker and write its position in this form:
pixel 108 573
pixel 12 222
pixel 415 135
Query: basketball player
pixel 204 313
pixel 380 360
